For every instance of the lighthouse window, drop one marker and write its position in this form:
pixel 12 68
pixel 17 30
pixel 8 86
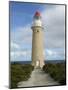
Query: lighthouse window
pixel 37 30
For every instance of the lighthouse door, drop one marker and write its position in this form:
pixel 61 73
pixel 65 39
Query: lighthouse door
pixel 37 63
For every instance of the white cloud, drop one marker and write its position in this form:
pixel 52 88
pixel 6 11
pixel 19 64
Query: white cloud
pixel 20 55
pixel 22 34
pixel 23 37
pixel 54 22
pixel 54 54
pixel 15 45
pixel 50 52
pixel 12 54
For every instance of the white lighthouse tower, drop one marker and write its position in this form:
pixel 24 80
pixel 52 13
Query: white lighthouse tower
pixel 37 41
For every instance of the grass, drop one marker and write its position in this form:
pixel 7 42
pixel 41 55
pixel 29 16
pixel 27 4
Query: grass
pixel 56 71
pixel 19 73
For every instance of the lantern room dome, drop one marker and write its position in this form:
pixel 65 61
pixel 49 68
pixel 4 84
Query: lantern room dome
pixel 37 13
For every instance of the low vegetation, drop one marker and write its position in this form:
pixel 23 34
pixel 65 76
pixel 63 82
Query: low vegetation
pixel 56 71
pixel 19 73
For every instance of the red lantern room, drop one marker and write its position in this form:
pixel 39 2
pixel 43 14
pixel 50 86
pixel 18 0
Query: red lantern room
pixel 37 13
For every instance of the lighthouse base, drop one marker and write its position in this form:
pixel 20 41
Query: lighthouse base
pixel 38 64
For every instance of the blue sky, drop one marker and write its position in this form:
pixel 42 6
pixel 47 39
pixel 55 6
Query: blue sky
pixel 21 16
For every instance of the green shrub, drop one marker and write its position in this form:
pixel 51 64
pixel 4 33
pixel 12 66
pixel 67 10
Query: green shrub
pixel 19 73
pixel 56 71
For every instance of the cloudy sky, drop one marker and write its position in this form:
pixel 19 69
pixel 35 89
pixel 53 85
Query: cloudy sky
pixel 53 18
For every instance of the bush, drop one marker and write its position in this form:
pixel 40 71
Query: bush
pixel 56 71
pixel 19 73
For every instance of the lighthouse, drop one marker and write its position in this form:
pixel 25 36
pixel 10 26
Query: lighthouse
pixel 37 41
